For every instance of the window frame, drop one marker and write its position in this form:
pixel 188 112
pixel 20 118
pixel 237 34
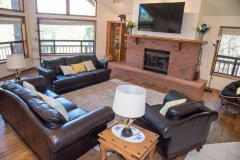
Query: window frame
pixel 13 10
pixel 216 56
pixel 67 10
pixel 24 35
pixel 60 19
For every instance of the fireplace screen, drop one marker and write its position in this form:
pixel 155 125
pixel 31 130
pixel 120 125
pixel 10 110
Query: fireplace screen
pixel 156 61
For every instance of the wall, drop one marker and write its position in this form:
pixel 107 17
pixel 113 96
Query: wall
pixel 190 19
pixel 104 14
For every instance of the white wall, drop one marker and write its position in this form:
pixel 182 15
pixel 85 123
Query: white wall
pixel 208 50
pixel 104 14
pixel 190 19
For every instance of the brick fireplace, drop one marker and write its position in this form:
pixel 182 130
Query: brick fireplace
pixel 179 63
pixel 182 62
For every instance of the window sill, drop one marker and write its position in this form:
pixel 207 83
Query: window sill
pixel 226 76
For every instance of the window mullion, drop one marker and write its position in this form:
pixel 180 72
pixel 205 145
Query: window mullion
pixel 68 7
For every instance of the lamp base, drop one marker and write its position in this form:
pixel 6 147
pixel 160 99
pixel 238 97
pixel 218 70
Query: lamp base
pixel 208 90
pixel 127 132
pixel 17 78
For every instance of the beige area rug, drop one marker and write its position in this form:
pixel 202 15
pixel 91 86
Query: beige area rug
pixel 102 94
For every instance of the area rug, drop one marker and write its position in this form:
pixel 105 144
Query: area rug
pixel 102 94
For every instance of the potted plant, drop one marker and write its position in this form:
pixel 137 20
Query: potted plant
pixel 130 26
pixel 202 29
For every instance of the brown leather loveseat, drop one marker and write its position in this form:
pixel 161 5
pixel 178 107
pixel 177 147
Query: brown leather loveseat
pixel 43 129
pixel 60 83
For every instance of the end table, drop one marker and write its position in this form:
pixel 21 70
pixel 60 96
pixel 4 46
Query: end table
pixel 130 151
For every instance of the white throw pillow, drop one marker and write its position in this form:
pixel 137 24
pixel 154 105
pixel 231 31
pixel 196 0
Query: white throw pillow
pixel 238 91
pixel 67 70
pixel 89 65
pixel 28 86
pixel 54 104
pixel 170 104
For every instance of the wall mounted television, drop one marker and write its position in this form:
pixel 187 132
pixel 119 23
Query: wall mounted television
pixel 161 17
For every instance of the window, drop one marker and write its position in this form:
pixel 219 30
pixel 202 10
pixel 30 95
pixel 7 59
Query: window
pixel 228 55
pixel 66 37
pixel 15 5
pixel 68 7
pixel 12 37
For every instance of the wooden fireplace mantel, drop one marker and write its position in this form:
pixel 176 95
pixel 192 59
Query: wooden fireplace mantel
pixel 178 41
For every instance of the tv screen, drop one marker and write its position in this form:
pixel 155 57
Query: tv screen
pixel 161 17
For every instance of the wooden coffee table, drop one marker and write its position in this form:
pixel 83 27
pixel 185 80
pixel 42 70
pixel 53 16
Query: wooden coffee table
pixel 130 151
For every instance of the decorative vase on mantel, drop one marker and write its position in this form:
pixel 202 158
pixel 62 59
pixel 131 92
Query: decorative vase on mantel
pixel 130 30
pixel 200 36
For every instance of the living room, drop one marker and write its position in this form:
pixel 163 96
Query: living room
pixel 37 15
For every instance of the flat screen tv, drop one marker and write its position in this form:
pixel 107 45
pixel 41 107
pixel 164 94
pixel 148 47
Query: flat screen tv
pixel 161 17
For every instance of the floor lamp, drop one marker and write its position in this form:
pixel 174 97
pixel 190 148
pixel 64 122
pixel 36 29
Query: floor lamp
pixel 213 66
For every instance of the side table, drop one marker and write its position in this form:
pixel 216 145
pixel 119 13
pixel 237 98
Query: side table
pixel 130 151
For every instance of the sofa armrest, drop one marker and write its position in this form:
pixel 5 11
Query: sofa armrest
pixel 38 82
pixel 78 128
pixel 48 75
pixel 175 95
pixel 102 64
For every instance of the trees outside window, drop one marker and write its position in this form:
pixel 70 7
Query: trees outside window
pixel 66 36
pixel 228 55
pixel 12 37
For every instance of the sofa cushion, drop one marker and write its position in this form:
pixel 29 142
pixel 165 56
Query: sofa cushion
pixel 47 114
pixel 76 113
pixel 29 86
pixel 22 92
pixel 72 60
pixel 56 105
pixel 101 72
pixel 51 94
pixel 86 76
pixel 66 103
pixel 66 81
pixel 89 65
pixel 170 104
pixel 88 57
pixel 67 70
pixel 79 67
pixel 185 109
pixel 54 64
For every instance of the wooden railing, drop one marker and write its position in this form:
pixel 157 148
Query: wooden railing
pixel 11 47
pixel 227 65
pixel 66 46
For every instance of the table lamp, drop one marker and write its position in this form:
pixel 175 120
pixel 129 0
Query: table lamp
pixel 129 102
pixel 16 61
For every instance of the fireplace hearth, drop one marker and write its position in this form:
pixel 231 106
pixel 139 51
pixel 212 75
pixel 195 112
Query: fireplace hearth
pixel 156 61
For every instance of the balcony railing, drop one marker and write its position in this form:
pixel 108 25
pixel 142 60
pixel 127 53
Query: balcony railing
pixel 227 65
pixel 66 46
pixel 11 47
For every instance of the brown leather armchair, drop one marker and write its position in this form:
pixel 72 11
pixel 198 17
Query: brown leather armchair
pixel 184 128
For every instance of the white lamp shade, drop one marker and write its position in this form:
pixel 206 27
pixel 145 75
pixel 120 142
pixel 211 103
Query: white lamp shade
pixel 15 61
pixel 129 101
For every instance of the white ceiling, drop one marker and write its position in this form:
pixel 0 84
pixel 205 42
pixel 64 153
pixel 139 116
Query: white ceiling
pixel 122 7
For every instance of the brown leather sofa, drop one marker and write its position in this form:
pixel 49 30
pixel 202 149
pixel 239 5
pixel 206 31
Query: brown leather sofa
pixel 59 83
pixel 184 128
pixel 42 128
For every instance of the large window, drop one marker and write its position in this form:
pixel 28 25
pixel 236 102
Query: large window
pixel 15 5
pixel 12 37
pixel 228 55
pixel 68 7
pixel 66 37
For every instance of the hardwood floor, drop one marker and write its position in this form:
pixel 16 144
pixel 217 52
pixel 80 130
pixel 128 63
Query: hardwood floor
pixel 225 129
